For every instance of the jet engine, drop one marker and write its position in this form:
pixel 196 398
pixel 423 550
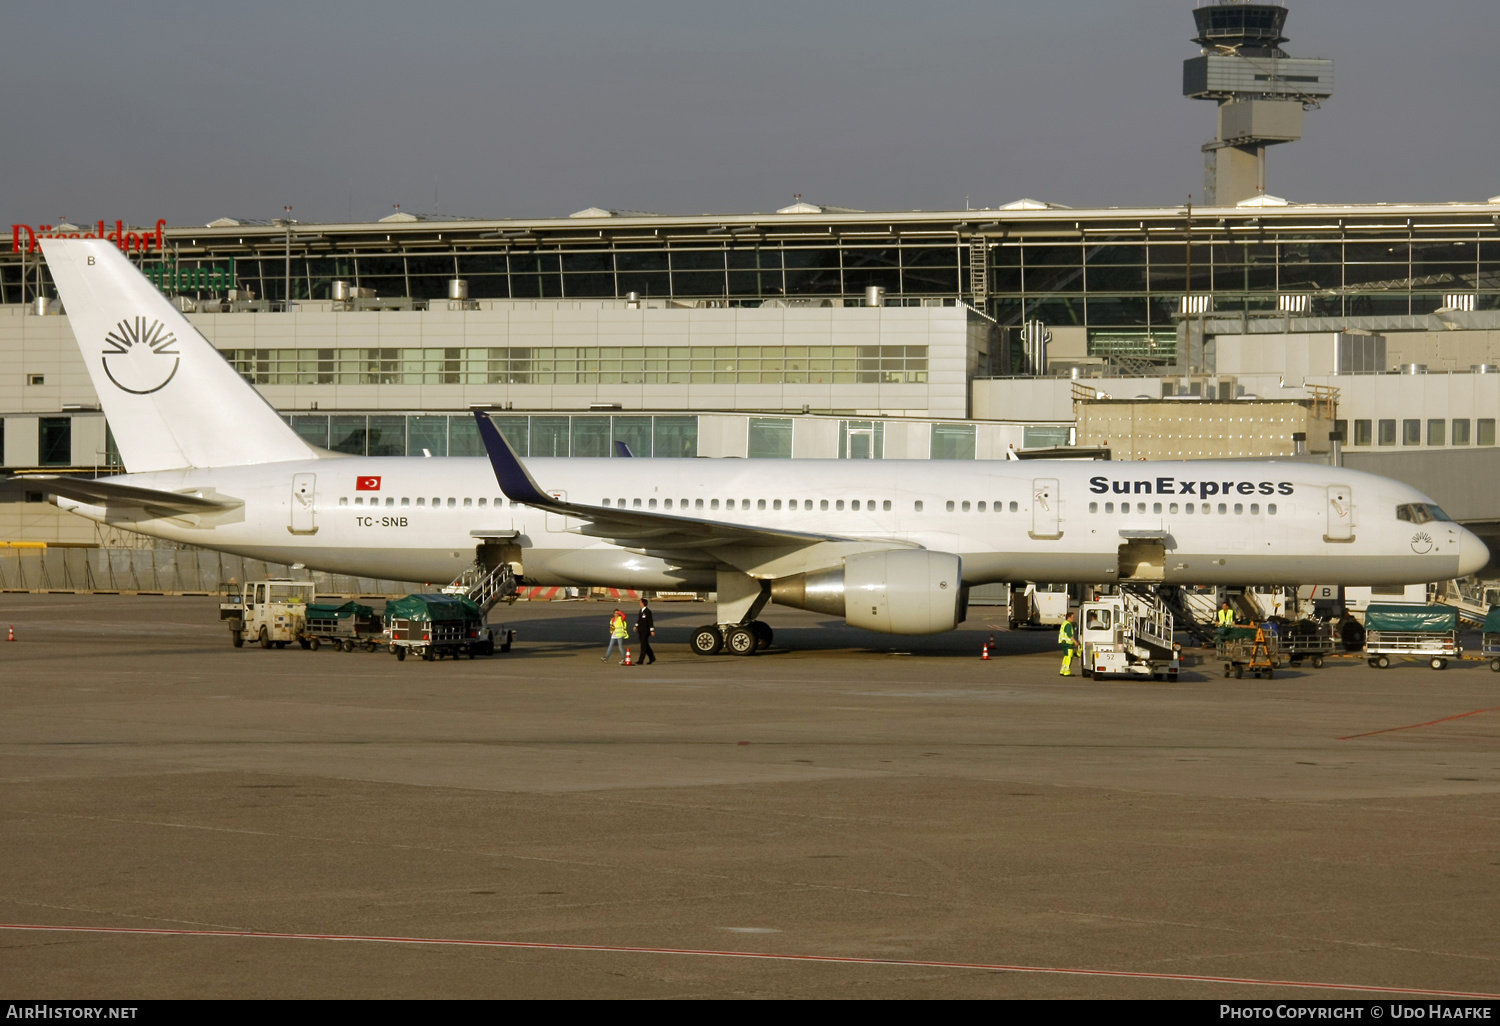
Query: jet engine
pixel 898 591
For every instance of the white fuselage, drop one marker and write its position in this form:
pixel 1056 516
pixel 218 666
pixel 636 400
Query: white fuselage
pixel 1060 521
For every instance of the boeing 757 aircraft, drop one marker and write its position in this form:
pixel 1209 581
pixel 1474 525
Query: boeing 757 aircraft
pixel 890 545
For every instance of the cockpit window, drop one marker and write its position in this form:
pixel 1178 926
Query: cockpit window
pixel 1420 513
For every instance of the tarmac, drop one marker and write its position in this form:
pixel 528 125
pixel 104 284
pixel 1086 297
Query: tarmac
pixel 846 815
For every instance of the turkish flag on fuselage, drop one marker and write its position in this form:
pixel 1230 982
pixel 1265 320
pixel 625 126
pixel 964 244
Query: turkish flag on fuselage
pixel 367 484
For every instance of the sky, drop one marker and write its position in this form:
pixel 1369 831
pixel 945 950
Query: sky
pixel 194 111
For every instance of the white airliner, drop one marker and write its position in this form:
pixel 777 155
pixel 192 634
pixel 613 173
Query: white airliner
pixel 891 545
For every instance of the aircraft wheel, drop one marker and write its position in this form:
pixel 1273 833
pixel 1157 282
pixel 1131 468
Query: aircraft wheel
pixel 1317 662
pixel 1382 663
pixel 400 653
pixel 708 641
pixel 314 644
pixel 742 640
pixel 763 632
pixel 237 639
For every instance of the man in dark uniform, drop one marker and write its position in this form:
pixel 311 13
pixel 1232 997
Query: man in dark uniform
pixel 645 627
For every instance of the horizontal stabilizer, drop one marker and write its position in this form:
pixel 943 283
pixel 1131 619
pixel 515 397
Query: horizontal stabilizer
pixel 112 493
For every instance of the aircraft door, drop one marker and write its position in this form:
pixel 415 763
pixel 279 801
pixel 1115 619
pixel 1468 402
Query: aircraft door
pixel 303 504
pixel 1045 508
pixel 556 522
pixel 1340 514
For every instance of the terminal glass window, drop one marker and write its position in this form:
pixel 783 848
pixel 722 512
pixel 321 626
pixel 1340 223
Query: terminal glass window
pixel 591 436
pixel 953 441
pixel 635 432
pixel 675 436
pixel 1362 432
pixel 1485 431
pixel 56 449
pixel 549 436
pixel 770 438
pixel 312 429
pixel 1411 432
pixel 427 435
pixel 346 433
pixel 387 435
pixel 1387 432
pixel 1460 431
pixel 1436 432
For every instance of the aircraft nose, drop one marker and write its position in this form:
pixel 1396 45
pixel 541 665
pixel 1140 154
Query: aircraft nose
pixel 1473 554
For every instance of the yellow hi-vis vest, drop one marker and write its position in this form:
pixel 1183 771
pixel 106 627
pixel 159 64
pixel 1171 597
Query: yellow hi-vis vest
pixel 1226 618
pixel 1065 633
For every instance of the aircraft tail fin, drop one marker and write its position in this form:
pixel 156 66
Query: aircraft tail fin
pixel 170 398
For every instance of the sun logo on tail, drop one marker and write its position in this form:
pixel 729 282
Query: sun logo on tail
pixel 145 356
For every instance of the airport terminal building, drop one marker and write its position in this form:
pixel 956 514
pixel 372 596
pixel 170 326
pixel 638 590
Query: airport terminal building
pixel 818 332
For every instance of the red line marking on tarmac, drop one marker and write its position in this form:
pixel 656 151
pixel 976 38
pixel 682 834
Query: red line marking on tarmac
pixel 769 956
pixel 1414 726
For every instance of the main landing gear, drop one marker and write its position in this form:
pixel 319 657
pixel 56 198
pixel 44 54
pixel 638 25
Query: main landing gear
pixel 744 639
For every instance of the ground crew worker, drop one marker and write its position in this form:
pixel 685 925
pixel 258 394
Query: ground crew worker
pixel 1225 616
pixel 645 627
pixel 1067 637
pixel 619 633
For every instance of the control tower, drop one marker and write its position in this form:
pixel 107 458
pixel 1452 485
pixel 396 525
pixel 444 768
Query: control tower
pixel 1260 90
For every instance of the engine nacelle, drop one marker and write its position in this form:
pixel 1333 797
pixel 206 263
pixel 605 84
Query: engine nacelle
pixel 897 591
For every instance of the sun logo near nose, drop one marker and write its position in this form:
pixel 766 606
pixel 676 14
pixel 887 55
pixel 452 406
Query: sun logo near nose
pixel 1421 543
pixel 145 357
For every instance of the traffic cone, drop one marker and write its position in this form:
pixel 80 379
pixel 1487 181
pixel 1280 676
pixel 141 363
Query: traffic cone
pixel 627 658
pixel 12 635
pixel 984 653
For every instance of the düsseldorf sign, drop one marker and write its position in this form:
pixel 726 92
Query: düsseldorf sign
pixel 129 240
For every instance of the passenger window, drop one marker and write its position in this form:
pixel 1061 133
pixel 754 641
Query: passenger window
pixel 1125 508
pixel 343 500
pixel 1156 507
pixel 1239 509
pixel 1189 508
pixel 950 505
pixel 359 500
pixel 1093 507
pixel 776 504
pixel 651 503
pixel 1109 507
pixel 406 501
pixel 483 501
pixel 886 505
pixel 1223 509
pixel 981 507
pixel 713 504
pixel 499 502
pixel 468 503
pixel 1271 508
pixel 965 506
pixel 1172 507
pixel 917 506
pixel 854 505
pixel 390 500
pixel 1140 507
pixel 436 502
pixel 823 505
pixel 1255 509
pixel 635 503
pixel 697 503
pixel 667 504
pixel 452 502
pixel 760 503
pixel 1013 507
pixel 839 505
pixel 421 502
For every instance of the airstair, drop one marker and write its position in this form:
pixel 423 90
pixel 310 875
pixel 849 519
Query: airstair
pixel 1467 596
pixel 485 587
pixel 1180 604
pixel 979 270
pixel 1148 624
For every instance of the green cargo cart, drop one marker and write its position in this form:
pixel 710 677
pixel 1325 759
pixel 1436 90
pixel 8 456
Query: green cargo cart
pixel 1412 632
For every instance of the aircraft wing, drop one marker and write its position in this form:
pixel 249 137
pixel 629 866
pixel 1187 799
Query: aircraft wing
pixel 113 493
pixel 673 537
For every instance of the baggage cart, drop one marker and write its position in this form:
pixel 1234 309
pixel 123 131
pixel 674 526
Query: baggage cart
pixel 436 625
pixel 1311 641
pixel 1248 648
pixel 344 627
pixel 1412 632
pixel 1490 645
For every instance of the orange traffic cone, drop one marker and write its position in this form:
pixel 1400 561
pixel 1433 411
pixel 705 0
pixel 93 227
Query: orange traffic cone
pixel 627 661
pixel 984 653
pixel 12 635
